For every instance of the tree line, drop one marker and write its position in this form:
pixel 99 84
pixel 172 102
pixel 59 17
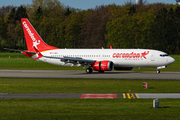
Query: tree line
pixel 149 26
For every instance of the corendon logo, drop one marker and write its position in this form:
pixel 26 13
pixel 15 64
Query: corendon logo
pixel 103 67
pixel 35 42
pixel 131 55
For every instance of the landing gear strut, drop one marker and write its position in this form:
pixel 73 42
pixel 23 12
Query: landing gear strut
pixel 89 70
pixel 161 67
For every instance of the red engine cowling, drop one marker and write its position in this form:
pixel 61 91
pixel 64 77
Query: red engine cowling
pixel 123 68
pixel 103 66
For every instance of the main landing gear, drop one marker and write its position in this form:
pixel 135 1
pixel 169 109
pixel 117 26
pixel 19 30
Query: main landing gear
pixel 89 70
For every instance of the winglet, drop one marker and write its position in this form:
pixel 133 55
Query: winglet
pixel 39 54
pixel 111 47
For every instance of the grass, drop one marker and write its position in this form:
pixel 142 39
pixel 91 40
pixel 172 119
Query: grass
pixel 63 85
pixel 88 109
pixel 18 61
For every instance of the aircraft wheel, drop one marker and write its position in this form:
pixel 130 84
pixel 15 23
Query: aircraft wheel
pixel 89 70
pixel 158 71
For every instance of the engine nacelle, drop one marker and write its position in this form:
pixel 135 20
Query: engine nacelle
pixel 103 66
pixel 123 68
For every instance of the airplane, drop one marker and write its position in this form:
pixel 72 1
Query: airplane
pixel 94 59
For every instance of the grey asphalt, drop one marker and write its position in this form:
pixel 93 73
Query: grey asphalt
pixel 82 74
pixel 78 96
pixel 159 95
pixel 40 96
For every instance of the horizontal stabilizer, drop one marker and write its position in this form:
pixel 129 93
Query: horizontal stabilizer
pixel 20 51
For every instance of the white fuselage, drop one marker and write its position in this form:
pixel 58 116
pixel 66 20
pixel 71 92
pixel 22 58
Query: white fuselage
pixel 120 57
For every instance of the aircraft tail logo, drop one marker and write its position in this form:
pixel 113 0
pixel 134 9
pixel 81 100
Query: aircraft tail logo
pixel 33 39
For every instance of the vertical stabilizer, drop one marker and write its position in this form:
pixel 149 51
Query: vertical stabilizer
pixel 33 39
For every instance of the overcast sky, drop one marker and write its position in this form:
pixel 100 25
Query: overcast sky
pixel 81 4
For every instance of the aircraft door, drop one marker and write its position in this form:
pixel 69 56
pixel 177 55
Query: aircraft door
pixel 152 56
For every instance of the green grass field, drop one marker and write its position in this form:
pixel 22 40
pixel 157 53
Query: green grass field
pixel 88 109
pixel 18 61
pixel 46 85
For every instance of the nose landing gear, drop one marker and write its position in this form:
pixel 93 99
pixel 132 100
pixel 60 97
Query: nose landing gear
pixel 159 68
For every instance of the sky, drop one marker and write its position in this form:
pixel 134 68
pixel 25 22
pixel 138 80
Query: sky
pixel 82 4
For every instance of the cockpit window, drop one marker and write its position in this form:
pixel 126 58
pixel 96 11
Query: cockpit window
pixel 163 55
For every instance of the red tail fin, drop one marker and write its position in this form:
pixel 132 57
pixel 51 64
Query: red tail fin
pixel 33 39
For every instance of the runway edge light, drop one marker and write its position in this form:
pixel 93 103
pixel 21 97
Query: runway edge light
pixel 145 85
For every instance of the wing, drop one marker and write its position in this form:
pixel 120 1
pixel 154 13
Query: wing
pixel 74 60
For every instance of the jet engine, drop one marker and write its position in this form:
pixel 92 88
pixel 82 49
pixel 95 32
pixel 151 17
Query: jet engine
pixel 103 66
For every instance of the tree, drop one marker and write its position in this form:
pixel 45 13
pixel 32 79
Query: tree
pixel 12 16
pixel 68 11
pixel 154 26
pixel 171 32
pixel 37 18
pixel 4 10
pixel 147 29
pixel 119 28
pixel 14 29
pixel 73 28
pixel 160 30
pixel 53 15
pixel 21 13
pixel 177 24
pixel 132 10
pixel 93 28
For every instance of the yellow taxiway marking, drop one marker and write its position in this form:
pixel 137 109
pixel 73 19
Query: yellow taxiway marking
pixel 124 95
pixel 137 96
pixel 128 96
pixel 132 95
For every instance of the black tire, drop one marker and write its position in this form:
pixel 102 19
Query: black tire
pixel 158 71
pixel 89 70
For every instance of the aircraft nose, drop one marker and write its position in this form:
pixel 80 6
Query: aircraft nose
pixel 171 60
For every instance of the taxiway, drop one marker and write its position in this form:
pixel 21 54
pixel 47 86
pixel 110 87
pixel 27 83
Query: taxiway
pixel 90 96
pixel 82 74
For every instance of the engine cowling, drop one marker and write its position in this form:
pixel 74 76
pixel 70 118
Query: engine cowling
pixel 103 66
pixel 123 68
